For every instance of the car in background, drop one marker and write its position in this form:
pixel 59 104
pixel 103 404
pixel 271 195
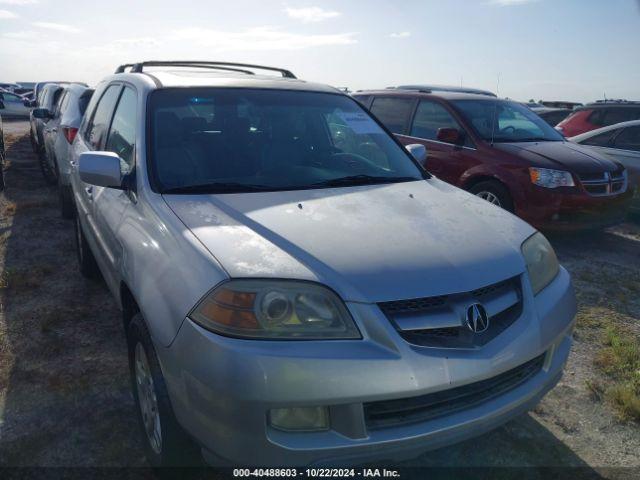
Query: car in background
pixel 46 98
pixel 505 153
pixel 553 116
pixel 293 284
pixel 597 115
pixel 9 86
pixel 560 104
pixel 621 142
pixel 12 105
pixel 59 133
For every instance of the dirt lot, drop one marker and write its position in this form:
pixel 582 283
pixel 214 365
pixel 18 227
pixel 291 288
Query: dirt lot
pixel 64 392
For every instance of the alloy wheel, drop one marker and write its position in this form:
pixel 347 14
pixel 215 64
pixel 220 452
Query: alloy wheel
pixel 489 197
pixel 147 399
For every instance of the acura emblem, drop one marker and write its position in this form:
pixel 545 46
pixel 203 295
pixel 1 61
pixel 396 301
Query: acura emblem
pixel 476 318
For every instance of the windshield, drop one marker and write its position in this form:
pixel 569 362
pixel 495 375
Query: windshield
pixel 503 121
pixel 209 140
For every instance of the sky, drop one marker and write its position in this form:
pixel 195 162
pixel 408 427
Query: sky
pixel 578 50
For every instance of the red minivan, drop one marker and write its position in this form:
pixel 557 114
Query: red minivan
pixel 503 152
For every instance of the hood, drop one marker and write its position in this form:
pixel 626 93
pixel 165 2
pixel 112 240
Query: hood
pixel 369 243
pixel 561 156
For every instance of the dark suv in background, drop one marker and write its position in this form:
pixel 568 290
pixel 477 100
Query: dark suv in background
pixel 505 153
pixel 597 115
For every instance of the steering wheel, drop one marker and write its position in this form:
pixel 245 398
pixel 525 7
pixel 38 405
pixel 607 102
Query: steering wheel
pixel 506 129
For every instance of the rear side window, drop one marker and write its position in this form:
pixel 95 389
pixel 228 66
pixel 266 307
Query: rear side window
pixel 430 116
pixel 629 139
pixel 602 139
pixel 60 105
pixel 616 115
pixel 122 134
pixel 97 128
pixel 84 100
pixel 393 112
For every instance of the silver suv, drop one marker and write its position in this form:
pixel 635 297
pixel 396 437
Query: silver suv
pixel 295 288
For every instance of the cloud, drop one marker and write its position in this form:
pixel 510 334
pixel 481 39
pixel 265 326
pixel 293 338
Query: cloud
pixel 58 27
pixel 6 14
pixel 311 14
pixel 399 34
pixel 24 35
pixel 18 2
pixel 509 3
pixel 260 38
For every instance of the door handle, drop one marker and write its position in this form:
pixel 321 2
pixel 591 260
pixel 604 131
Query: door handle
pixel 89 192
pixel 73 163
pixel 54 130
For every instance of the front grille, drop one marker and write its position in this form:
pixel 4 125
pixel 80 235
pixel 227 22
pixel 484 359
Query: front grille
pixel 603 184
pixel 439 321
pixel 392 413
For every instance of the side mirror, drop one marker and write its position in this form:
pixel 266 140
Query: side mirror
pixel 449 135
pixel 101 169
pixel 419 152
pixel 41 113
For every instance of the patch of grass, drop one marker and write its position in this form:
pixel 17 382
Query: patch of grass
pixel 26 278
pixel 620 361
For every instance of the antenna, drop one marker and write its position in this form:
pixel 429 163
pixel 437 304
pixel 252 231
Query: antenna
pixel 495 110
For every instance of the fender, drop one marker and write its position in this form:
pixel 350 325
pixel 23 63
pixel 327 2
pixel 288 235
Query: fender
pixel 504 176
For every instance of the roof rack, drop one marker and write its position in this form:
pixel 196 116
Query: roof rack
pixel 228 66
pixel 442 88
pixel 615 101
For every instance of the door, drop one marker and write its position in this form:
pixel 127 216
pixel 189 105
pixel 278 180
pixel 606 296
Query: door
pixel 446 161
pixel 110 204
pixel 52 128
pixel 93 137
pixel 627 151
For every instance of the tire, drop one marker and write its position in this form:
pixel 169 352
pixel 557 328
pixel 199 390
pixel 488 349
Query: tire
pixel 86 261
pixel 166 443
pixel 49 174
pixel 495 193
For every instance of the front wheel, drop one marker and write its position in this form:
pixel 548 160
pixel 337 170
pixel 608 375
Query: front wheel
pixel 49 173
pixel 493 192
pixel 165 441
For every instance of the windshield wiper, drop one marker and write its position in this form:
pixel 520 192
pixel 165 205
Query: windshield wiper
pixel 534 139
pixel 218 187
pixel 362 180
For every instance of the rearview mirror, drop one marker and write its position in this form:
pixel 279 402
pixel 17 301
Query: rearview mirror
pixel 419 152
pixel 101 169
pixel 449 135
pixel 41 113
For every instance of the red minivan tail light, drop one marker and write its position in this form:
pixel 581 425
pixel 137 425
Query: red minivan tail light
pixel 70 133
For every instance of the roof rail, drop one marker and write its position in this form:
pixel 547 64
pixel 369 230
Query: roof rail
pixel 229 66
pixel 443 88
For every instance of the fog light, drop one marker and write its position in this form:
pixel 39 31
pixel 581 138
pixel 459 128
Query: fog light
pixel 300 419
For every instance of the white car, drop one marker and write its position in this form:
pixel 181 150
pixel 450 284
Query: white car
pixel 620 141
pixel 58 134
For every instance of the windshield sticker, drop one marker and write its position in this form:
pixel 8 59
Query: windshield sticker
pixel 359 122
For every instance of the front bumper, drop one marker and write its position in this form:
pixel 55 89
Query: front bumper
pixel 553 210
pixel 222 388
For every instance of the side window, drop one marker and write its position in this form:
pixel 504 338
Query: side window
pixel 430 116
pixel 629 139
pixel 393 112
pixel 97 128
pixel 601 140
pixel 58 107
pixel 363 100
pixel 617 115
pixel 122 134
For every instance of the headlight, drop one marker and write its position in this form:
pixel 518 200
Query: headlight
pixel 548 178
pixel 278 309
pixel 541 260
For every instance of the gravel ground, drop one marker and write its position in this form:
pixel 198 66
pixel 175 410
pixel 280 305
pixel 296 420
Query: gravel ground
pixel 64 391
